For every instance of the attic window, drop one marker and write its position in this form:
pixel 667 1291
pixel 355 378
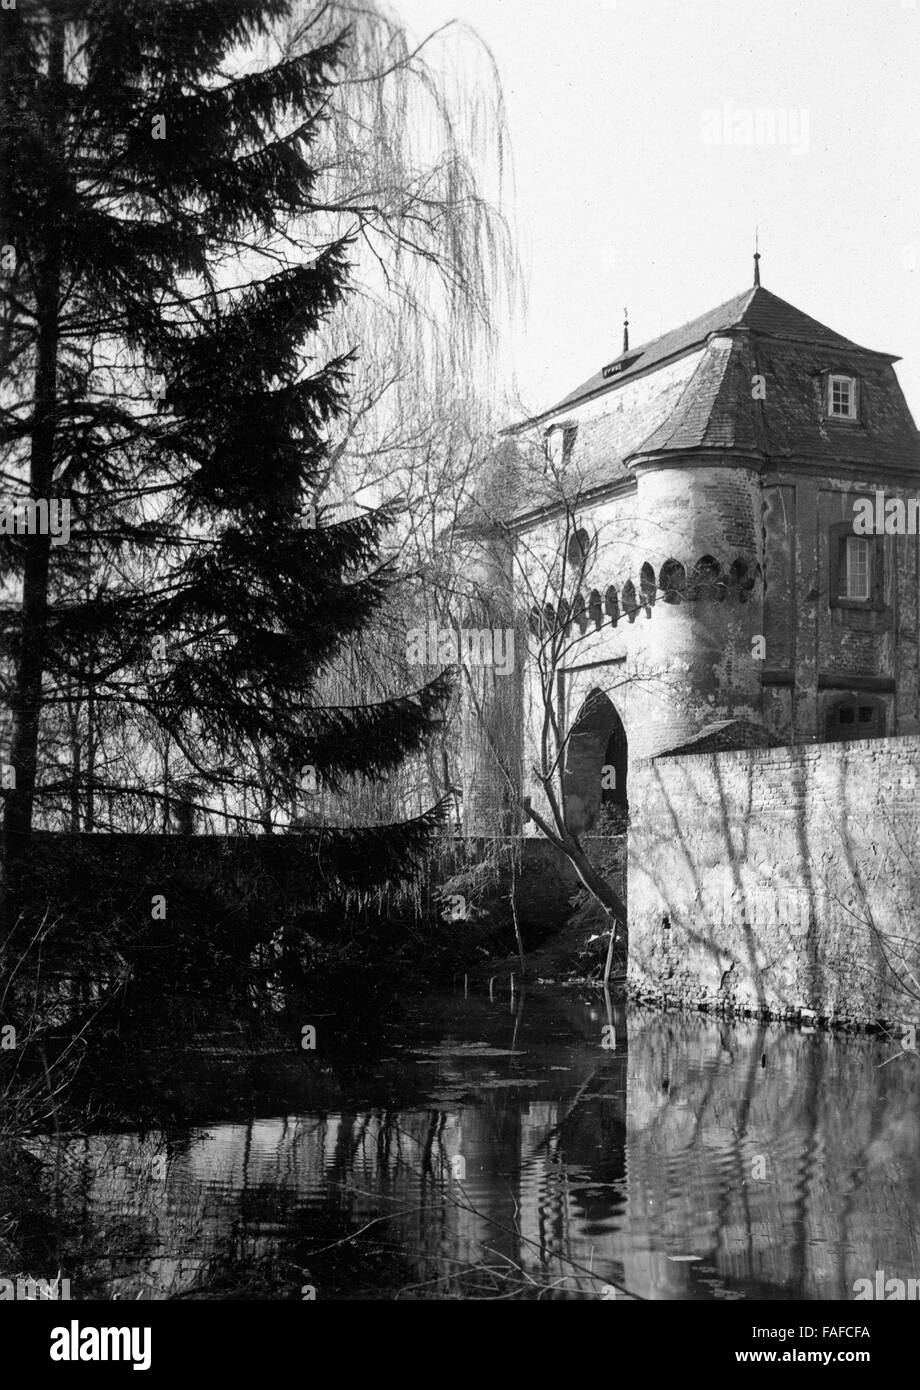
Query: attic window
pixel 841 397
pixel 559 442
pixel 615 368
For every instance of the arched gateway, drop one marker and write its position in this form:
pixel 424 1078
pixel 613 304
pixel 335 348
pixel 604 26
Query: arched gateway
pixel 595 763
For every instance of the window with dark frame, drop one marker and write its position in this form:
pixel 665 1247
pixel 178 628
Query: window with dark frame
pixel 854 568
pixel 855 578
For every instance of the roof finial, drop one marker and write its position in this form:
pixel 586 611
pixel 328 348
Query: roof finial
pixel 756 256
pixel 626 330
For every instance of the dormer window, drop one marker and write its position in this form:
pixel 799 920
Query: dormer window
pixel 559 441
pixel 842 397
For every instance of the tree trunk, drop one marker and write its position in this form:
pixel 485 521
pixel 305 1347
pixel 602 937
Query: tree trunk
pixel 90 821
pixel 27 693
pixel 569 845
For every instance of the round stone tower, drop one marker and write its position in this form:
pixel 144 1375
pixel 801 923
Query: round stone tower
pixel 695 652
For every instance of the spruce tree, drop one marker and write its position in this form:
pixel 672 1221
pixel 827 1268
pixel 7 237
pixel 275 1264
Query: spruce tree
pixel 161 292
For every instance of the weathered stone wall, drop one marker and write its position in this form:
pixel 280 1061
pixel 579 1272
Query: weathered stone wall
pixel 815 650
pixel 772 878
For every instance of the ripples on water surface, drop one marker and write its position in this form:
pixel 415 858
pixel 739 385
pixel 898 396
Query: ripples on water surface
pixel 498 1151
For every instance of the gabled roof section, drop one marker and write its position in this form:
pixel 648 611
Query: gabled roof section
pixel 756 309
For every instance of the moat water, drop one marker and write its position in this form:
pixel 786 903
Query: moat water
pixel 535 1147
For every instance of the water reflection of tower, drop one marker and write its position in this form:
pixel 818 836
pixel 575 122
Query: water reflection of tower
pixel 540 1195
pixel 491 1147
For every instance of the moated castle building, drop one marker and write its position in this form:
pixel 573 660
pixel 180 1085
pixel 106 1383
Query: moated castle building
pixel 710 478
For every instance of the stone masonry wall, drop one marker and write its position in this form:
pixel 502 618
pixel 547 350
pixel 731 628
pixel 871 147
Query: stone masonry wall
pixel 777 879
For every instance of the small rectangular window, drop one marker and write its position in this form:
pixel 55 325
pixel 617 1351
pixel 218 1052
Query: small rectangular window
pixel 841 397
pixel 846 716
pixel 854 572
pixel 856 576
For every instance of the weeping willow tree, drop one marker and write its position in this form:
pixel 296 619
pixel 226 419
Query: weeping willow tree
pixel 412 165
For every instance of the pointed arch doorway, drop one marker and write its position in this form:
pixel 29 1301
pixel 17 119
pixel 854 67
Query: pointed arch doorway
pixel 596 764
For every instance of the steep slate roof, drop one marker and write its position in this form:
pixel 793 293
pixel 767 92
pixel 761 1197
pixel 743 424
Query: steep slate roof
pixel 698 395
pixel 718 410
pixel 756 309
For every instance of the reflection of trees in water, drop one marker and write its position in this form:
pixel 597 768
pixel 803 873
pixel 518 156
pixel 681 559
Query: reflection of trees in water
pixel 355 1199
pixel 636 1156
pixel 837 1140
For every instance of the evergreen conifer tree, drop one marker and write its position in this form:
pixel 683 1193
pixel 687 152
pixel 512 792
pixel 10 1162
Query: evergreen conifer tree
pixel 159 292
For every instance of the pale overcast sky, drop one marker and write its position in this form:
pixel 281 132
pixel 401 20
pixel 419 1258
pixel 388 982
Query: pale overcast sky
pixel 626 192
